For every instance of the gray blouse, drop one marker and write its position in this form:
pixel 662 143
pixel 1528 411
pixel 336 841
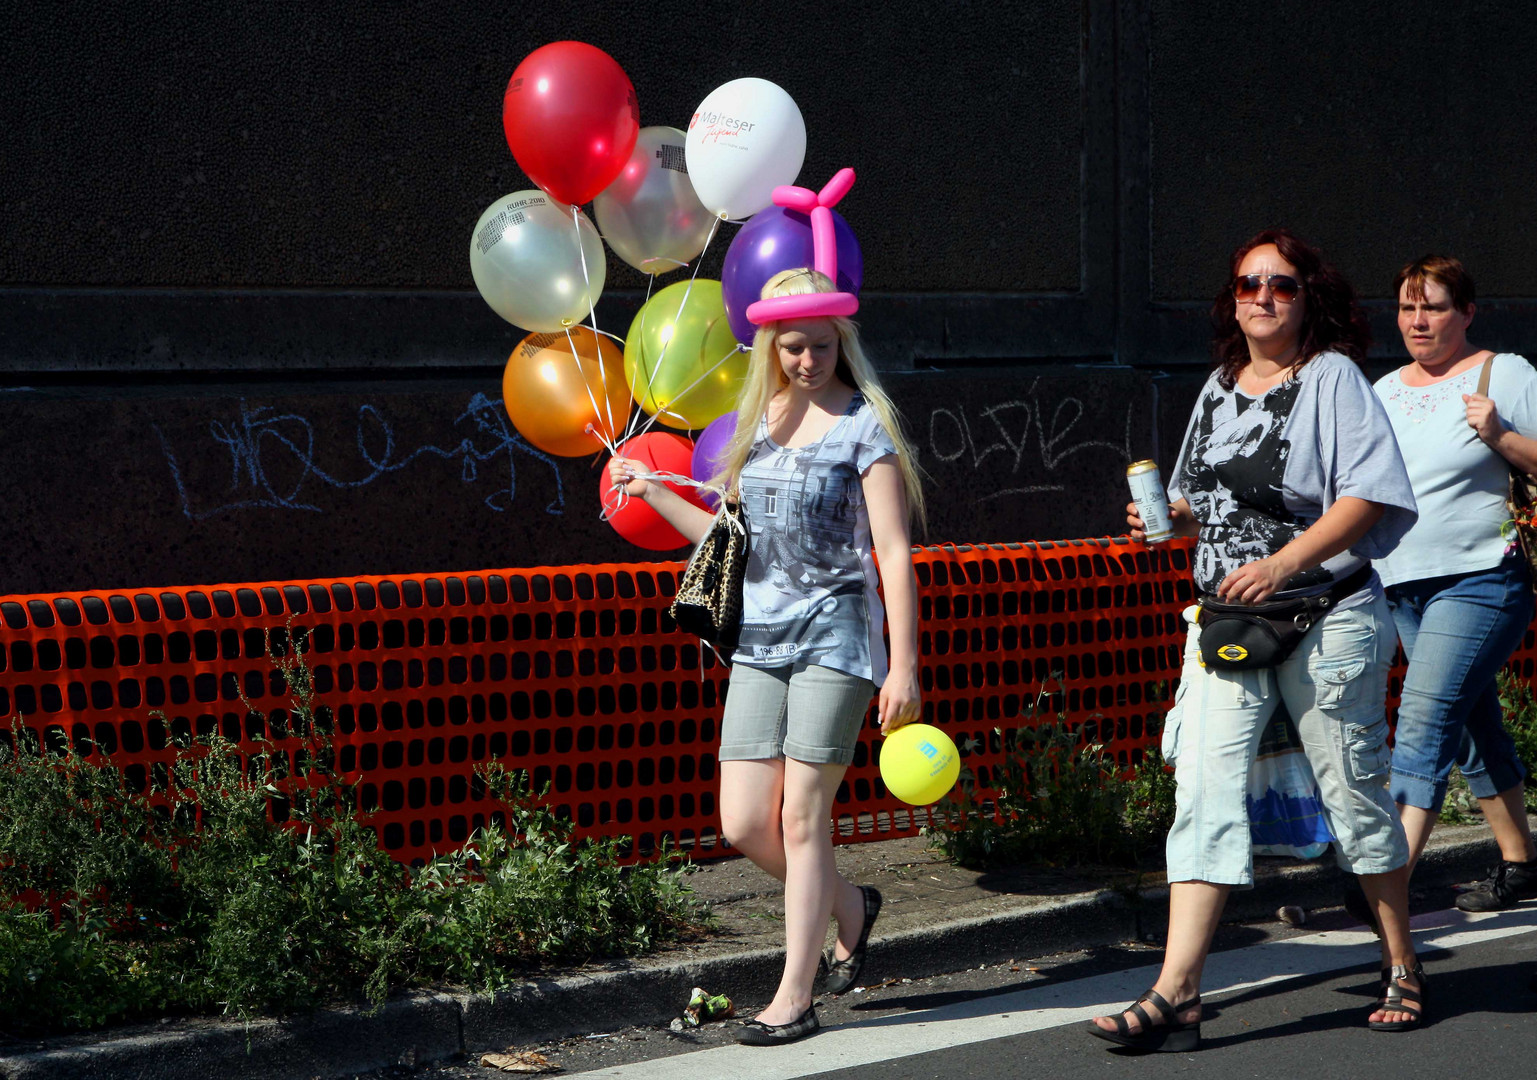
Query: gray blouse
pixel 810 591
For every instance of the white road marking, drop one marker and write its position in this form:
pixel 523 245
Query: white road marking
pixel 1049 1004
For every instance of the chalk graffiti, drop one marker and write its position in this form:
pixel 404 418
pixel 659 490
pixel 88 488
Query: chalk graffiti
pixel 1021 432
pixel 258 480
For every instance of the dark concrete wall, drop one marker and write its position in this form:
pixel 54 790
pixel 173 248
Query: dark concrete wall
pixel 182 485
pixel 349 143
pixel 230 229
pixel 1379 129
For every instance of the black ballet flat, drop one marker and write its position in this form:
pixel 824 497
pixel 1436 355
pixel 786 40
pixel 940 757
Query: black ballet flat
pixel 757 1033
pixel 842 974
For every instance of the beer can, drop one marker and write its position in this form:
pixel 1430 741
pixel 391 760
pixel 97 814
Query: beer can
pixel 1152 503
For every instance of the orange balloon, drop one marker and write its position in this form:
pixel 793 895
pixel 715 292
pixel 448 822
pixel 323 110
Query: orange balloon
pixel 545 389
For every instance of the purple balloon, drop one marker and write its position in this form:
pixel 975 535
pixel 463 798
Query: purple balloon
pixel 709 448
pixel 777 239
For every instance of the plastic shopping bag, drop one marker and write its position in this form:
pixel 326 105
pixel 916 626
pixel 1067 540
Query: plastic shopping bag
pixel 1285 810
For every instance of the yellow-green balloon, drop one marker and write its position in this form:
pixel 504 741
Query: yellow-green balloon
pixel 669 354
pixel 919 764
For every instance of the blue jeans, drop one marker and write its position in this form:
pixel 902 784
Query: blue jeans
pixel 1333 685
pixel 1457 632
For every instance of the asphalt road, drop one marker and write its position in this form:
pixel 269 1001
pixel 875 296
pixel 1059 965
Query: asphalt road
pixel 1279 1002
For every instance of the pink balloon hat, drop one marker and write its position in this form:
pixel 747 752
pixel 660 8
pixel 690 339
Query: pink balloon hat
pixel 824 245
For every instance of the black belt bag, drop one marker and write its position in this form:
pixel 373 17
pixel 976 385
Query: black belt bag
pixel 1240 636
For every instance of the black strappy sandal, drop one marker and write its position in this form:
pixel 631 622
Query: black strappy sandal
pixel 1395 998
pixel 1169 1037
pixel 842 974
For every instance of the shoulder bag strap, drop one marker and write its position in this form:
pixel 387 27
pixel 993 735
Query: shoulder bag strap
pixel 1483 376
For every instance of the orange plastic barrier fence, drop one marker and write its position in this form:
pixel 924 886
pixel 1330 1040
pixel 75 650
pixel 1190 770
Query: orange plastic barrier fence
pixel 577 675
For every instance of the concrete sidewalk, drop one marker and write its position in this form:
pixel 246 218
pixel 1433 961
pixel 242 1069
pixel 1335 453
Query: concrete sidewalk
pixel 937 918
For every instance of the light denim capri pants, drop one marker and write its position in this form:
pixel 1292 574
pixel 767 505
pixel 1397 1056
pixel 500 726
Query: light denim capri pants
pixel 1457 632
pixel 809 713
pixel 1334 686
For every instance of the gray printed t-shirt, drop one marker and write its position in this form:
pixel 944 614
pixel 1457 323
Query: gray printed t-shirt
pixel 810 591
pixel 1258 471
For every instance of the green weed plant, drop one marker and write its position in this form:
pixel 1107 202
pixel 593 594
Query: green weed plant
pixel 1059 798
pixel 243 883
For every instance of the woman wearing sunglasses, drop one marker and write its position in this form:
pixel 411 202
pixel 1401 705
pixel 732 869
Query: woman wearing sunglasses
pixel 1464 417
pixel 1291 483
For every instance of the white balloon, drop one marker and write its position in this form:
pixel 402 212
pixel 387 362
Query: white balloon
pixel 650 215
pixel 527 263
pixel 745 139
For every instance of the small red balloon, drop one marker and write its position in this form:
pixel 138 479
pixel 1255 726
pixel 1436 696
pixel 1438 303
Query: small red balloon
pixel 661 451
pixel 571 119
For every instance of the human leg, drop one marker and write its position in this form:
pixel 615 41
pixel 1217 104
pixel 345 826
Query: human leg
pixel 752 766
pixel 1210 737
pixel 1334 685
pixel 1513 879
pixel 1457 633
pixel 826 710
pixel 811 882
pixel 1497 780
pixel 1195 908
pixel 1506 815
pixel 822 715
pixel 751 797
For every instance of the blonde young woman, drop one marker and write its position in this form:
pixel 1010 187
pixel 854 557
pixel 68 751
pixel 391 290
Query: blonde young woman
pixel 828 480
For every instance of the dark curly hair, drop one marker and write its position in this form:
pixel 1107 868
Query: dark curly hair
pixel 1331 316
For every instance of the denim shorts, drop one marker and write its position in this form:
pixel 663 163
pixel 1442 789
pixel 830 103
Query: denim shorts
pixel 1334 686
pixel 812 714
pixel 1457 632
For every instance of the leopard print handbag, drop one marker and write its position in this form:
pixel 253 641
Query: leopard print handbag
pixel 709 600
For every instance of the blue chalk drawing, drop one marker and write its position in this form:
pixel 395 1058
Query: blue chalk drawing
pixel 262 430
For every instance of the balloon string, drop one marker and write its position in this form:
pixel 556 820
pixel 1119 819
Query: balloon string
pixel 651 421
pixel 607 408
pixel 698 262
pixel 623 495
pixel 592 305
pixel 592 317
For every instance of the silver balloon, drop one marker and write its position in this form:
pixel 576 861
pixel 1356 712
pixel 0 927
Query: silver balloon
pixel 527 263
pixel 651 216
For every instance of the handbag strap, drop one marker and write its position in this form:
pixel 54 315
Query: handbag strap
pixel 1483 376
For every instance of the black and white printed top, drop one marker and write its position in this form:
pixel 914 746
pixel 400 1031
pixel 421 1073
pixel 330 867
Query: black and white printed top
pixel 1258 471
pixel 810 594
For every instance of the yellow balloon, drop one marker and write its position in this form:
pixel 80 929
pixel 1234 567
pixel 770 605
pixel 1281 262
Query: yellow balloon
pixel 919 764
pixel 684 364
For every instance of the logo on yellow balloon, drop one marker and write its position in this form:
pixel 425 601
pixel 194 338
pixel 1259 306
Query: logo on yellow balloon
pixel 1232 653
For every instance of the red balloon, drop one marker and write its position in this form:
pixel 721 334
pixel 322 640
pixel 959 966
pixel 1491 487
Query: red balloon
pixel 662 451
pixel 571 119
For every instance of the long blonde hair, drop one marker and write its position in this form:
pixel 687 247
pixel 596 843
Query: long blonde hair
pixel 765 379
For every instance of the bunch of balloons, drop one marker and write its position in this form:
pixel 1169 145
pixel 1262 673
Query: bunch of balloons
pixel 659 196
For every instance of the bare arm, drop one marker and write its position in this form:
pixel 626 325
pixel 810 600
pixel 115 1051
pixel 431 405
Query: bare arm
pixel 677 511
pixel 1180 517
pixel 1342 524
pixel 886 502
pixel 1484 418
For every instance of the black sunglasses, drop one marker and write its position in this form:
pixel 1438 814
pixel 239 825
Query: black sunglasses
pixel 1283 287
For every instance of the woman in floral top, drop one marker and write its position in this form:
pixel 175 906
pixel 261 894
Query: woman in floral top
pixel 1460 594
